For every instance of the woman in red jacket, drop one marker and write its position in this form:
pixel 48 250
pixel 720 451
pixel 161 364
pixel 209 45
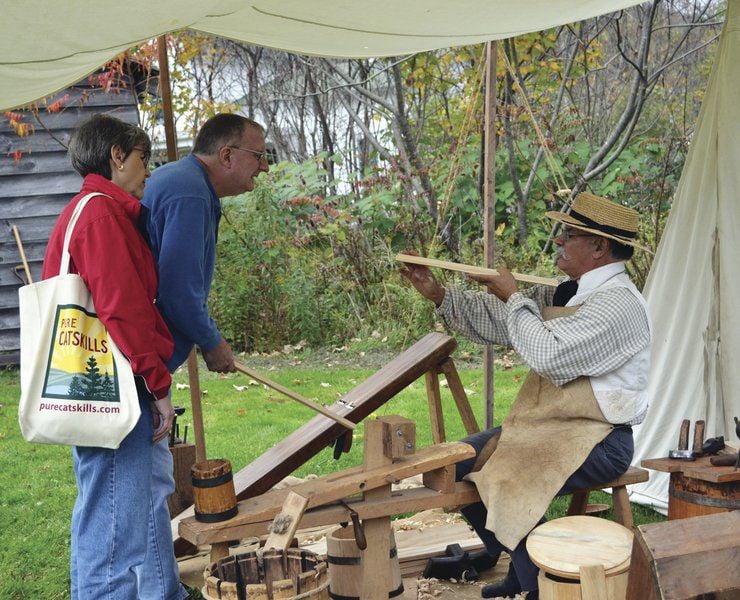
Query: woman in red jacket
pixel 109 249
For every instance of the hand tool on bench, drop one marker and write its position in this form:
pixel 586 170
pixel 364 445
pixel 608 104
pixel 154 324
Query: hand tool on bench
pixel 283 390
pixel 683 452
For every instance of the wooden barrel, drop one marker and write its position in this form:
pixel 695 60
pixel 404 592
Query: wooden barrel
pixel 689 497
pixel 213 490
pixel 345 559
pixel 293 574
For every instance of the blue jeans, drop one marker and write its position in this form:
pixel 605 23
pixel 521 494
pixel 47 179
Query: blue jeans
pixel 158 576
pixel 112 516
pixel 608 460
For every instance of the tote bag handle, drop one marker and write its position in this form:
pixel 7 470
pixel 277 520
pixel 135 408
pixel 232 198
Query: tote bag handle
pixel 64 266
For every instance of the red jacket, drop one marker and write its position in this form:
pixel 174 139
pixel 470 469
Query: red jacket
pixel 115 262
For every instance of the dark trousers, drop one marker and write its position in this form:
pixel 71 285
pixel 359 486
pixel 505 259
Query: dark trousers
pixel 608 460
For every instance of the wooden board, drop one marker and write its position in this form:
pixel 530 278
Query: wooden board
pixel 411 500
pixel 686 558
pixel 307 441
pixel 700 468
pixel 335 486
pixel 471 269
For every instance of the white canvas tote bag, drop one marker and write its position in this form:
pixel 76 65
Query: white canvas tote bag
pixel 77 388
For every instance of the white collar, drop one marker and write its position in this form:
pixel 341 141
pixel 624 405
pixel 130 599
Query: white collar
pixel 594 279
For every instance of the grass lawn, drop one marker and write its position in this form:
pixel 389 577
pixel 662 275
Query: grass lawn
pixel 241 420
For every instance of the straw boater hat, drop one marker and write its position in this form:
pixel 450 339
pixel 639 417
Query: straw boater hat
pixel 601 217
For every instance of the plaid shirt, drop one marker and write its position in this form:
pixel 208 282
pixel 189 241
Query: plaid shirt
pixel 609 329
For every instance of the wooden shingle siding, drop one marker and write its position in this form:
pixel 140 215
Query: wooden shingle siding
pixel 35 189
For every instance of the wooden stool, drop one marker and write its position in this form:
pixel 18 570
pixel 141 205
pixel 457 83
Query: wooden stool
pixel 581 558
pixel 622 510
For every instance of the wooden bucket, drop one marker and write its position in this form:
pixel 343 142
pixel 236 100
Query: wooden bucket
pixel 213 490
pixel 345 558
pixel 689 497
pixel 275 574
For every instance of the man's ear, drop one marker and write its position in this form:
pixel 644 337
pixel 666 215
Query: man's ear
pixel 224 156
pixel 601 247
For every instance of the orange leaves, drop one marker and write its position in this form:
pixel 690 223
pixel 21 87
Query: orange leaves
pixel 55 107
pixel 15 120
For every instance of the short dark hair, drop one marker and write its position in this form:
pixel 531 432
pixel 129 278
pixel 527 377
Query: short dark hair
pixel 220 131
pixel 620 251
pixel 91 143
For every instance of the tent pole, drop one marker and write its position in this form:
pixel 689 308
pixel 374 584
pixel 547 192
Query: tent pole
pixel 489 213
pixel 171 138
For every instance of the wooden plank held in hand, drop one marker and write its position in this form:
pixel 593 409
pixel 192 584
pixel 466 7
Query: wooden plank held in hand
pixel 283 390
pixel 471 269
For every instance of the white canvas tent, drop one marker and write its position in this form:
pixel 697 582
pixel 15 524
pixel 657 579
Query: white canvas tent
pixel 46 46
pixel 693 288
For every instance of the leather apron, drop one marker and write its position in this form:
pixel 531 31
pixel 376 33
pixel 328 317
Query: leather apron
pixel 547 435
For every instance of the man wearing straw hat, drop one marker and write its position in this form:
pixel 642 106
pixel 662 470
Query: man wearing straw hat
pixel 588 345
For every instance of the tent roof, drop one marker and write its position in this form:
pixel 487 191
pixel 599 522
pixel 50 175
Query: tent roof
pixel 54 44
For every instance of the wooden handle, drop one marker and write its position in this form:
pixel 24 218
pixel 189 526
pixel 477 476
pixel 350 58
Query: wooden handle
pixel 683 436
pixel 724 460
pixel 283 390
pixel 698 436
pixel 470 269
pixel 196 408
pixel 17 235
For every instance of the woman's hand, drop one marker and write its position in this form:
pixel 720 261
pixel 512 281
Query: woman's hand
pixel 163 415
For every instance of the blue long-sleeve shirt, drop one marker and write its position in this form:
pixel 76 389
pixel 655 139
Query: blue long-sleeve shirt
pixel 184 213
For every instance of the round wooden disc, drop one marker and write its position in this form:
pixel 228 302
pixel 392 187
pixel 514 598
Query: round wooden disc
pixel 596 510
pixel 561 547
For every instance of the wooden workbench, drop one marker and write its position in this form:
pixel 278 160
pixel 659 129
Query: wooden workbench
pixel 697 487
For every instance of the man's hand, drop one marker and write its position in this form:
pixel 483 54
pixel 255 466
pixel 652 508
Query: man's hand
pixel 502 285
pixel 423 280
pixel 220 359
pixel 163 415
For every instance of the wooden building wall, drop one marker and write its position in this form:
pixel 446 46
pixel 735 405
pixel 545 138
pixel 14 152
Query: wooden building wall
pixel 35 189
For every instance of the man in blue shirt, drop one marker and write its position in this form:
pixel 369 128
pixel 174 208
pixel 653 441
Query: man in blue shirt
pixel 183 199
pixel 184 209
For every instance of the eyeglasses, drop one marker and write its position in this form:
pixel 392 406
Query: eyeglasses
pixel 145 155
pixel 567 234
pixel 260 155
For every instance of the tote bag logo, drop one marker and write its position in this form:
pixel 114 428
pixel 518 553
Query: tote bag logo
pixel 80 365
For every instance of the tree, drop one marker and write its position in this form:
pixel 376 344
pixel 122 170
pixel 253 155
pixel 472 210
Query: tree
pixel 107 389
pixel 93 379
pixel 76 388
